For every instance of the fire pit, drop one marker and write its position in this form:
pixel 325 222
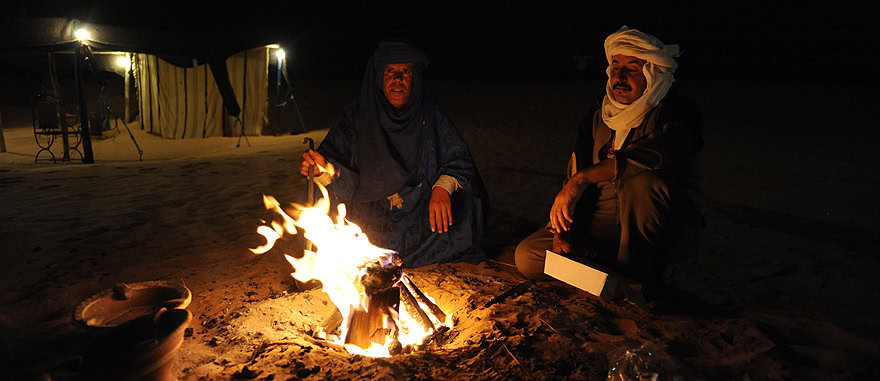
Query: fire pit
pixel 383 312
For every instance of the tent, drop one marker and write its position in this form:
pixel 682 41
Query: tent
pixel 187 88
pixel 184 102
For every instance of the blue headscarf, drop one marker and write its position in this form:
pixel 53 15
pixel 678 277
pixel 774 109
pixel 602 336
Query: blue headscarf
pixel 388 137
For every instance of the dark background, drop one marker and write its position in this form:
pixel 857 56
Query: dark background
pixel 778 41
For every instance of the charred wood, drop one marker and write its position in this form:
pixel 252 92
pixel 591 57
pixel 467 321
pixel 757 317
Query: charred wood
pixel 437 338
pixel 438 313
pixel 369 326
pixel 517 290
pixel 412 306
pixel 380 278
pixel 379 314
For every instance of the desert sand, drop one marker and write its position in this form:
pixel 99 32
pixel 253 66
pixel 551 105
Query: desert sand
pixel 784 288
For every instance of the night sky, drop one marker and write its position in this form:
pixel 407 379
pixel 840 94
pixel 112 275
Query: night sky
pixel 784 41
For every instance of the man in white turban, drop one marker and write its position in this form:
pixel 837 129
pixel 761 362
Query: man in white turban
pixel 633 200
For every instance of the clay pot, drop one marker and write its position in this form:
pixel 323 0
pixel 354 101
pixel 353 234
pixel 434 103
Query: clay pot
pixel 142 349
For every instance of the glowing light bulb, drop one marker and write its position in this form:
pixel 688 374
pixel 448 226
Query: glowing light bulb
pixel 123 62
pixel 280 54
pixel 82 34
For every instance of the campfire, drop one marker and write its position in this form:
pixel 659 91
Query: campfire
pixel 383 311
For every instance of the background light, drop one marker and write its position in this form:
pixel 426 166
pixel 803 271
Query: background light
pixel 280 54
pixel 82 34
pixel 123 62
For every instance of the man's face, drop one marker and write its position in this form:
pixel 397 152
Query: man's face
pixel 397 83
pixel 626 78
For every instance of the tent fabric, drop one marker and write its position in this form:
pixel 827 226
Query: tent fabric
pixel 185 102
pixel 249 74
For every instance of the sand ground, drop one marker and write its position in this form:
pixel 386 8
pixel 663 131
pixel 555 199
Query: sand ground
pixel 783 289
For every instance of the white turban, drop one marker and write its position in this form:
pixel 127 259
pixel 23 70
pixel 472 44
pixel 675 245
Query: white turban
pixel 658 71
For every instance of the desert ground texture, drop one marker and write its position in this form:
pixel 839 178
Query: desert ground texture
pixel 784 287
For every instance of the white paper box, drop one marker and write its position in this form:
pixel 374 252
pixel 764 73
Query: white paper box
pixel 585 277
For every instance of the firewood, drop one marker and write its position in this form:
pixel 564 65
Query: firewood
pixel 358 329
pixel 380 278
pixel 378 314
pixel 367 326
pixel 437 338
pixel 324 343
pixel 517 290
pixel 412 306
pixel 438 313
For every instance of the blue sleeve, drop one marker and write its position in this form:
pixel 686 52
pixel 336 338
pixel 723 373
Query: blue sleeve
pixel 339 147
pixel 454 157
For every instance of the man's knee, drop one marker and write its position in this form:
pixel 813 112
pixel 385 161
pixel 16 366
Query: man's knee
pixel 530 258
pixel 645 199
pixel 646 186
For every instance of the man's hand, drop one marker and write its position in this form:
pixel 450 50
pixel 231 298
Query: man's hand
pixel 561 244
pixel 562 212
pixel 440 210
pixel 311 157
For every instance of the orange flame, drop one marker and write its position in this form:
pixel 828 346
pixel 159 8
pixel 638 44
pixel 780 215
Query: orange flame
pixel 342 253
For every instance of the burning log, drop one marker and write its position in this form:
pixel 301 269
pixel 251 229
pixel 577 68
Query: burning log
pixel 380 316
pixel 369 326
pixel 378 323
pixel 438 313
pixel 412 306
pixel 437 338
pixel 378 278
pixel 358 329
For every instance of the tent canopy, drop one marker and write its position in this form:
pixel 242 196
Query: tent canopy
pixel 187 45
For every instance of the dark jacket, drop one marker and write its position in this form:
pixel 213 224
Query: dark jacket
pixel 668 141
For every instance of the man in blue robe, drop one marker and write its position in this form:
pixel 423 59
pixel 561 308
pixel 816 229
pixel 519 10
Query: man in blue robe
pixel 401 167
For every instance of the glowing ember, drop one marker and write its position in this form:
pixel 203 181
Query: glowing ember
pixel 341 260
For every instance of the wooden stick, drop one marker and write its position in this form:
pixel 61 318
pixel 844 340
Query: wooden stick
pixel 548 325
pixel 521 367
pixel 518 289
pixel 412 306
pixel 324 343
pixel 438 313
pixel 394 329
pixel 499 263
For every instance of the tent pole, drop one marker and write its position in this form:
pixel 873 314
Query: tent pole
pixel 127 90
pixel 88 158
pixel 276 105
pixel 56 92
